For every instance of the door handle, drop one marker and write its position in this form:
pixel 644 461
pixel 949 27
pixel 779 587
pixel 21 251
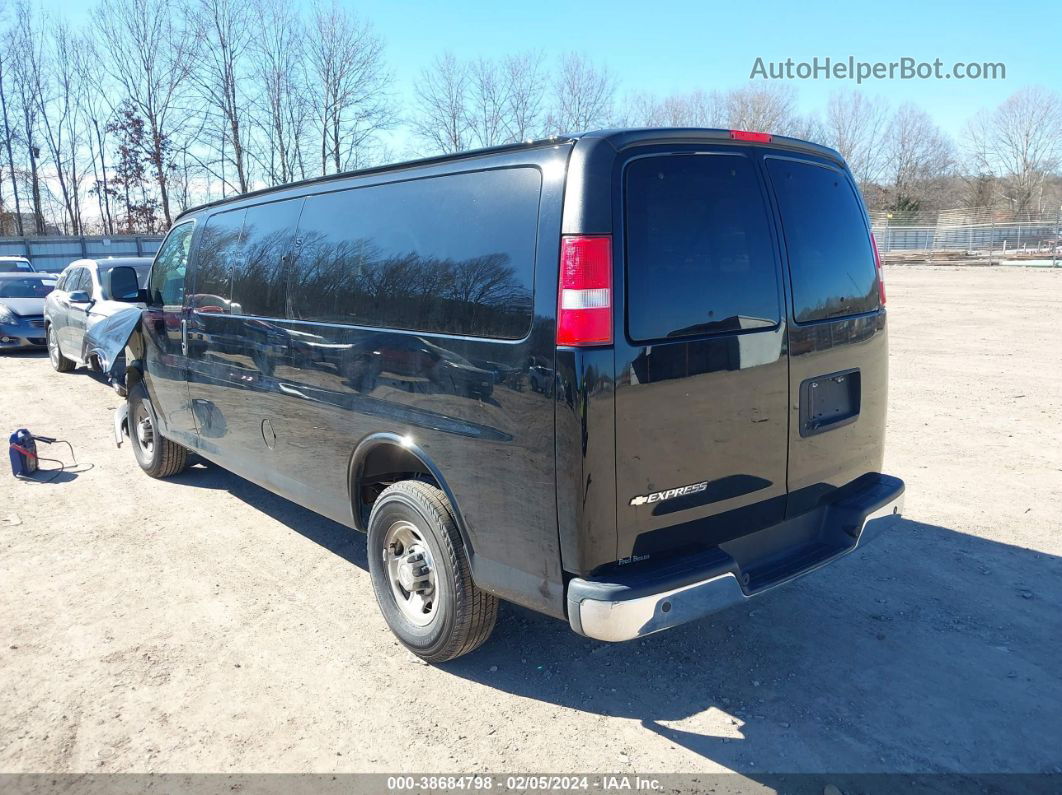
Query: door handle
pixel 184 336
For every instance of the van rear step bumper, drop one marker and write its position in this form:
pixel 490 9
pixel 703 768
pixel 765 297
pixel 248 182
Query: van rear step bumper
pixel 656 598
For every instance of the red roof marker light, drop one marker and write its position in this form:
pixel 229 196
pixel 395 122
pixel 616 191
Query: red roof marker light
pixel 756 137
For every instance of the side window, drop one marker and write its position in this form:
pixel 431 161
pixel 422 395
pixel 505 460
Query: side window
pixel 75 280
pixel 90 284
pixel 699 252
pixel 450 254
pixel 166 283
pixel 216 257
pixel 831 261
pixel 260 269
pixel 61 281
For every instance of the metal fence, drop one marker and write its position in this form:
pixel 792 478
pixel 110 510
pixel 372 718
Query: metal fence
pixel 53 253
pixel 1003 238
pixel 978 233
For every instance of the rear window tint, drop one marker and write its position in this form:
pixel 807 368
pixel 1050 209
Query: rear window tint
pixel 699 253
pixel 260 270
pixel 217 256
pixel 449 254
pixel 830 257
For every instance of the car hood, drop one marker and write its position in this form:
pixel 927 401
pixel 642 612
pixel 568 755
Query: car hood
pixel 106 340
pixel 24 306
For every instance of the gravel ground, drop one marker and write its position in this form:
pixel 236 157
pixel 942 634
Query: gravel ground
pixel 202 624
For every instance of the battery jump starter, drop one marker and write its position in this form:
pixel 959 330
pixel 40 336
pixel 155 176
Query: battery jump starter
pixel 24 459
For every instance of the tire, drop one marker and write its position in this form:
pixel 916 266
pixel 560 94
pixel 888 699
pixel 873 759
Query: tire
pixel 436 611
pixel 157 456
pixel 59 362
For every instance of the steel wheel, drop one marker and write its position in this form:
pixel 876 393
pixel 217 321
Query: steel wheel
pixel 144 429
pixel 411 572
pixel 422 576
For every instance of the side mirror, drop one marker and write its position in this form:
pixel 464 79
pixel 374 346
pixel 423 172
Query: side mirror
pixel 122 284
pixel 80 297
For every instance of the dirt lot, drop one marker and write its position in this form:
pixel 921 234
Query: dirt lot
pixel 202 624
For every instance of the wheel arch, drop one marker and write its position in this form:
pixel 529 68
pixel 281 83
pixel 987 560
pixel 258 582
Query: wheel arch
pixel 386 455
pixel 134 359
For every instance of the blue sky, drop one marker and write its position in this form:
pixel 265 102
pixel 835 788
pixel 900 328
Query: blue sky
pixel 681 45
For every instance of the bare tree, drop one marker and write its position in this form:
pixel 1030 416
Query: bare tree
pixel 488 104
pixel 224 31
pixel 56 88
pixel 917 153
pixel 525 93
pixel 1020 143
pixel 350 82
pixel 24 81
pixel 9 132
pixel 95 112
pixel 150 58
pixel 279 71
pixel 695 109
pixel 768 107
pixel 441 113
pixel 583 95
pixel 855 125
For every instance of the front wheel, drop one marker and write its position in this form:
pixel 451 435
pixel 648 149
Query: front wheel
pixel 421 574
pixel 59 362
pixel 157 455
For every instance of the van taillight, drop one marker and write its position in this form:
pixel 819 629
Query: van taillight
pixel 584 304
pixel 877 266
pixel 746 135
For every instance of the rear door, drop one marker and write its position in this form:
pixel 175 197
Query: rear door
pixel 61 304
pixel 78 315
pixel 77 281
pixel 837 342
pixel 702 396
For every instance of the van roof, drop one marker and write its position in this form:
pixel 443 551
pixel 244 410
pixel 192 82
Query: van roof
pixel 617 139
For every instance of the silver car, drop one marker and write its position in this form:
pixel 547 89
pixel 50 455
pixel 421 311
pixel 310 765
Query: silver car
pixel 88 292
pixel 22 298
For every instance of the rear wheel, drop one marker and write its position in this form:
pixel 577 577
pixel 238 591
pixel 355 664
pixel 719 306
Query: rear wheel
pixel 421 574
pixel 157 456
pixel 59 362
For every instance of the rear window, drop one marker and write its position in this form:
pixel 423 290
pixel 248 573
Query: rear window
pixel 830 257
pixel 699 252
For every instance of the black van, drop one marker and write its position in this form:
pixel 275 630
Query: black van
pixel 625 378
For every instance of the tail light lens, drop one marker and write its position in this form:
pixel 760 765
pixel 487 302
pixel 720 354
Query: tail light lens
pixel 877 266
pixel 584 303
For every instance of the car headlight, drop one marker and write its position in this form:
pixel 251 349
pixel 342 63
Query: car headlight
pixel 6 315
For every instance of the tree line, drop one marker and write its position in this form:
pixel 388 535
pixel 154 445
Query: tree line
pixel 153 106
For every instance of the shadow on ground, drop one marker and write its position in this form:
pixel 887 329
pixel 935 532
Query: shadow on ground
pixel 336 538
pixel 26 353
pixel 929 650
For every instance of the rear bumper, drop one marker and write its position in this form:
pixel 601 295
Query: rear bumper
pixel 660 597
